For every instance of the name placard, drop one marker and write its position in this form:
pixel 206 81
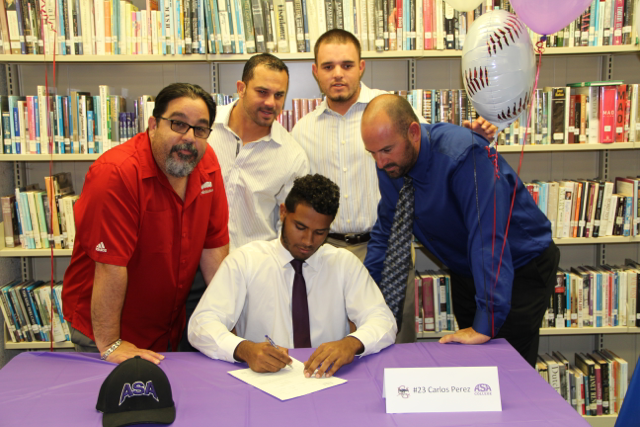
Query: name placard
pixel 442 389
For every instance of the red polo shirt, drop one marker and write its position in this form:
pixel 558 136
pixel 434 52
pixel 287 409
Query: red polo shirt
pixel 129 215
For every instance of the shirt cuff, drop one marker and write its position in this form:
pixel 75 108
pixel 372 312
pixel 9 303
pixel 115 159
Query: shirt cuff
pixel 361 336
pixel 227 346
pixel 482 323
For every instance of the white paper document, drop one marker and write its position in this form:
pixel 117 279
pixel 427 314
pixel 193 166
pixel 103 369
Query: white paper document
pixel 286 383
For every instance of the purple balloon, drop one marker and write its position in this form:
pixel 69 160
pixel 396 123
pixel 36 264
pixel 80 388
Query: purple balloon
pixel 549 16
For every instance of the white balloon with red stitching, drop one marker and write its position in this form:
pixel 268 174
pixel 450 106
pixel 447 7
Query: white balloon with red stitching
pixel 498 67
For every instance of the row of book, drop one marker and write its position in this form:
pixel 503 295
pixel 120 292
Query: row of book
pixel 599 297
pixel 41 219
pixel 74 124
pixel 580 113
pixel 589 208
pixel 178 27
pixel 434 305
pixel 32 311
pixel 79 123
pixel 584 297
pixel 596 384
pixel 589 112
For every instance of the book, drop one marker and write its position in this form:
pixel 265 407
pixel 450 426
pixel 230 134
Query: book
pixel 588 368
pixel 607 116
pixel 11 229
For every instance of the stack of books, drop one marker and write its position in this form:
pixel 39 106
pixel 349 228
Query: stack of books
pixel 595 297
pixel 32 311
pixel 595 385
pixel 589 208
pixel 184 27
pixel 41 219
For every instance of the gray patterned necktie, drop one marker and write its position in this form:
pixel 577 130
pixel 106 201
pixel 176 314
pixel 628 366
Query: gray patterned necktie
pixel 397 262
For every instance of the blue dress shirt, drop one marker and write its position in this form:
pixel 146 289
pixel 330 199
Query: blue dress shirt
pixel 449 224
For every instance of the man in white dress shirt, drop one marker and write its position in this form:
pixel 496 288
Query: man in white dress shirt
pixel 255 288
pixel 330 135
pixel 258 158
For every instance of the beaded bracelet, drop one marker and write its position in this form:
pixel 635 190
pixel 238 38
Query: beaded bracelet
pixel 111 349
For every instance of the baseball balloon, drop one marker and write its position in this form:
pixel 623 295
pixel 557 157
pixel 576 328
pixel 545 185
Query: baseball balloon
pixel 549 16
pixel 464 5
pixel 498 67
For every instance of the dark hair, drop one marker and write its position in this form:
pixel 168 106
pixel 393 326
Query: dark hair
pixel 266 59
pixel 322 194
pixel 181 90
pixel 337 36
pixel 397 108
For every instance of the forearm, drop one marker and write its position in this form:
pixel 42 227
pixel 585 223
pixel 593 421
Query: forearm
pixel 210 261
pixel 209 334
pixel 107 300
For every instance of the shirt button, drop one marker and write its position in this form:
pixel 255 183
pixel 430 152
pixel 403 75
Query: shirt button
pixel 346 196
pixel 344 169
pixel 344 142
pixel 348 221
pixel 184 234
pixel 182 262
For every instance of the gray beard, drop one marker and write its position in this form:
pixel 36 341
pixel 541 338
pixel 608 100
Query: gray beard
pixel 185 165
pixel 180 168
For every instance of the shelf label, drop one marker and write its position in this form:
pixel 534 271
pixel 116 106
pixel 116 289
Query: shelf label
pixel 466 389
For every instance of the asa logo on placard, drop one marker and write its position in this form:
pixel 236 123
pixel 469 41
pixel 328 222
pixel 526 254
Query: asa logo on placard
pixel 138 388
pixel 482 390
pixel 403 391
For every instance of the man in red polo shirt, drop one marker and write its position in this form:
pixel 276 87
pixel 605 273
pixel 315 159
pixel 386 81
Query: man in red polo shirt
pixel 151 211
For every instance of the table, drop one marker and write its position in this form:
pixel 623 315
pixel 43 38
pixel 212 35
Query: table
pixel 61 389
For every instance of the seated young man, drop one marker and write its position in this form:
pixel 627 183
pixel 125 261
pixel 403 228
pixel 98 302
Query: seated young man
pixel 297 291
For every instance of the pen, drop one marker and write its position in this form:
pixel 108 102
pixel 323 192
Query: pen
pixel 275 346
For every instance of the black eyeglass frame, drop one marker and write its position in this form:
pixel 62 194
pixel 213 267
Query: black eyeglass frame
pixel 196 129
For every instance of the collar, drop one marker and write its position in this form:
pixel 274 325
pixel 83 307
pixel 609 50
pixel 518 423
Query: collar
pixel 148 166
pixel 284 256
pixel 419 171
pixel 223 114
pixel 365 96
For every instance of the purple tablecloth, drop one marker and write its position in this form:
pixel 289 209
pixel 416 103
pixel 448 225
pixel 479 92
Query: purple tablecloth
pixel 61 389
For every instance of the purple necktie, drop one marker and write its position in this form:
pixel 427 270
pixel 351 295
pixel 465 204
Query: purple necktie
pixel 300 308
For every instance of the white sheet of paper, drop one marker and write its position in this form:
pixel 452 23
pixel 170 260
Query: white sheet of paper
pixel 287 383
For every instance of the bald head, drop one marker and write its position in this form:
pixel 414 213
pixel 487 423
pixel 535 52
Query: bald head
pixel 391 133
pixel 392 109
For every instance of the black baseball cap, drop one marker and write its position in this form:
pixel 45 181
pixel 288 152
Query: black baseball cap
pixel 136 392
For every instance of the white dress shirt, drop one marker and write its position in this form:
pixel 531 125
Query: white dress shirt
pixel 252 291
pixel 257 177
pixel 335 149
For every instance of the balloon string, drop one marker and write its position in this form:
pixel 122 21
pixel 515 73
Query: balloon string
pixel 539 51
pixel 46 22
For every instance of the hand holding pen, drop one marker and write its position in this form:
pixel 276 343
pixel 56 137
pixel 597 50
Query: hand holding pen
pixel 284 350
pixel 262 357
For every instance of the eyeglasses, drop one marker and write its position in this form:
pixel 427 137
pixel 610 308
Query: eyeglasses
pixel 183 128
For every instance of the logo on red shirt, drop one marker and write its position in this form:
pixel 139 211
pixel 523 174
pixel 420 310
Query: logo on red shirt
pixel 101 248
pixel 206 188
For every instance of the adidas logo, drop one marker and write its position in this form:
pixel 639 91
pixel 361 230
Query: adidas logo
pixel 101 248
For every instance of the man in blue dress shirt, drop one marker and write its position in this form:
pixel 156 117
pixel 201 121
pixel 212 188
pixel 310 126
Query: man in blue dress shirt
pixel 457 181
